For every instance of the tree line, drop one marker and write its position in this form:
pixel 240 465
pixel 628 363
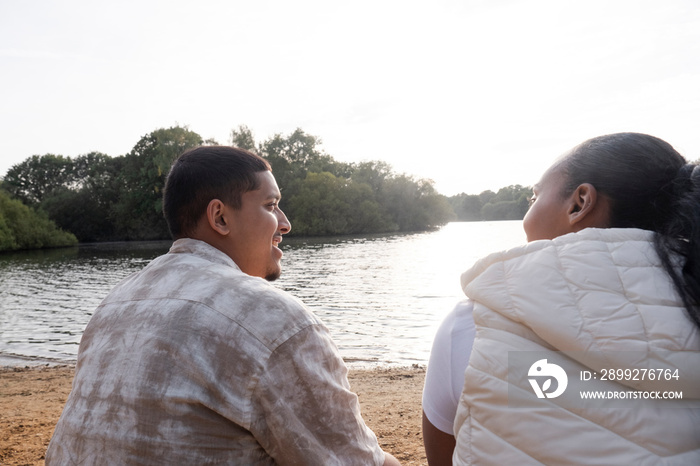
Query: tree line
pixel 95 197
pixel 509 203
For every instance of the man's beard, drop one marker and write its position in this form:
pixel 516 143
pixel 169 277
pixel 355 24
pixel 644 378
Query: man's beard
pixel 273 275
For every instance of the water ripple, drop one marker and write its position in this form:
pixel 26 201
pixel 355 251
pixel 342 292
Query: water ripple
pixel 381 296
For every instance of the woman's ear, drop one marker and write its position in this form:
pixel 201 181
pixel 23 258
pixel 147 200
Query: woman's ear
pixel 587 208
pixel 216 217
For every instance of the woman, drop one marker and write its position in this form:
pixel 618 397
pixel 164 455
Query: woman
pixel 615 285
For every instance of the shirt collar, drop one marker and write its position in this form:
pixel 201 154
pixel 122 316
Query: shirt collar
pixel 201 249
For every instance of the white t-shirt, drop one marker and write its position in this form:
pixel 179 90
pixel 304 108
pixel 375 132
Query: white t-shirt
pixel 449 358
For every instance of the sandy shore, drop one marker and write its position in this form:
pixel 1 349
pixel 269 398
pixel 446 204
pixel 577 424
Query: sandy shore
pixel 31 400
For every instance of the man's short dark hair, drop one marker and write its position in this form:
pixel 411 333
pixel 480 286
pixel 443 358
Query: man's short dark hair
pixel 205 173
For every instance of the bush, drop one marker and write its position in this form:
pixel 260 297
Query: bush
pixel 25 228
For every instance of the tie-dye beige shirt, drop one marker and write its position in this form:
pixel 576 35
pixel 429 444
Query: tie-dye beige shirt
pixel 190 362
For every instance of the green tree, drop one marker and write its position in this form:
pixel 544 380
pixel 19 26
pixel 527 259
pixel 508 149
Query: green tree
pixel 486 196
pixel 93 170
pixel 297 154
pixel 139 211
pixel 32 180
pixel 511 193
pixel 291 157
pixel 81 213
pixel 509 203
pixel 347 198
pixel 86 209
pixel 298 148
pixel 503 210
pixel 330 205
pixel 243 137
pixel 414 205
pixel 467 207
pixel 374 173
pixel 7 237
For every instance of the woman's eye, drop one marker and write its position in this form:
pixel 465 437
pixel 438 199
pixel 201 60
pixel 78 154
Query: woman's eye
pixel 531 200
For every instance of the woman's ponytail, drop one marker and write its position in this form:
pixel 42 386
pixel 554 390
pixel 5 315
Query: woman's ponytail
pixel 678 241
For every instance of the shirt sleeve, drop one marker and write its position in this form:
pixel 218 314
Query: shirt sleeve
pixel 307 413
pixel 449 358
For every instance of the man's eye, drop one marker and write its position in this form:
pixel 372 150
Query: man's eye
pixel 531 200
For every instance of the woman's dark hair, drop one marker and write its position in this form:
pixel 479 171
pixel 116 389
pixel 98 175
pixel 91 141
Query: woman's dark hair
pixel 205 173
pixel 649 186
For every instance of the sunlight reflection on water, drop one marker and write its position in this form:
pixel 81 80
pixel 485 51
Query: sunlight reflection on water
pixel 381 296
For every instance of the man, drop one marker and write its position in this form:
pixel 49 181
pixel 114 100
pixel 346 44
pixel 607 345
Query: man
pixel 198 359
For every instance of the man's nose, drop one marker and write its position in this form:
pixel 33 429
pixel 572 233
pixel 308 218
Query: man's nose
pixel 283 222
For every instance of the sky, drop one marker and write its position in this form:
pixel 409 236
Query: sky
pixel 472 94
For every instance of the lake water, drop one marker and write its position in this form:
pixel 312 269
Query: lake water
pixel 381 296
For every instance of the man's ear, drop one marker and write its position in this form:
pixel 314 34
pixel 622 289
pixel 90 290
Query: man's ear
pixel 216 217
pixel 583 203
